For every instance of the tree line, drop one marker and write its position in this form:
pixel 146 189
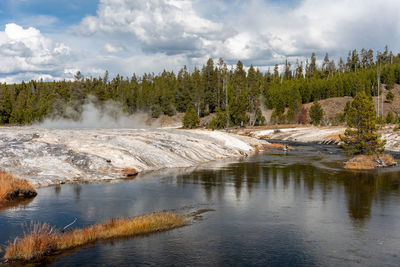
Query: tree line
pixel 235 94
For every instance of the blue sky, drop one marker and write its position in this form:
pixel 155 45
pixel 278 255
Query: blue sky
pixel 66 12
pixel 52 39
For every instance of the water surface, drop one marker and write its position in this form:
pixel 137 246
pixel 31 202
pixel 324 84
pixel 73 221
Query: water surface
pixel 296 208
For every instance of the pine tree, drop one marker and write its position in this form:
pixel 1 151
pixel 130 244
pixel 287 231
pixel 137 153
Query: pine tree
pixel 219 121
pixel 390 118
pixel 316 113
pixel 260 119
pixel 5 104
pixel 361 137
pixel 191 120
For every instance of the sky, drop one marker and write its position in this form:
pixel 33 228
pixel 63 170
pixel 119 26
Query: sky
pixel 53 39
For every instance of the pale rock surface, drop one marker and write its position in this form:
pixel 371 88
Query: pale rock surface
pixel 51 156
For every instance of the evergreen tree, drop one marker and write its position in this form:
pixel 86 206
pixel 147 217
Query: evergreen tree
pixel 361 137
pixel 191 120
pixel 260 119
pixel 316 113
pixel 238 93
pixel 219 121
pixel 5 104
pixel 390 118
pixel 238 105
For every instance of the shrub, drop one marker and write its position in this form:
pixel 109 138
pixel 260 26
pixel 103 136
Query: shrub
pixel 389 97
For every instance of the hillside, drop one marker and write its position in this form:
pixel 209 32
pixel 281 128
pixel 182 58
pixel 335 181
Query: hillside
pixel 335 105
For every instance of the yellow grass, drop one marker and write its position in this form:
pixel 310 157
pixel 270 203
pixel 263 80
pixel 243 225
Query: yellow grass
pixel 9 183
pixel 366 162
pixel 42 240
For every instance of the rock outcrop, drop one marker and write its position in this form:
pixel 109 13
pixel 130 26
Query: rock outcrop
pixel 52 156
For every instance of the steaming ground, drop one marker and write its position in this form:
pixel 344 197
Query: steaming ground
pixel 49 156
pixel 104 115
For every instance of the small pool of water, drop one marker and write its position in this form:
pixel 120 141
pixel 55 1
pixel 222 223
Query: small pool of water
pixel 274 209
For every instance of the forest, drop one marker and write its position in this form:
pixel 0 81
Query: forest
pixel 236 94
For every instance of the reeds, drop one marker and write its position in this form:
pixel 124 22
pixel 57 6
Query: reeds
pixel 42 240
pixel 9 184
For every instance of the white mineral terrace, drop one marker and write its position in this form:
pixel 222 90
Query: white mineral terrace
pixel 324 135
pixel 51 156
pixel 303 134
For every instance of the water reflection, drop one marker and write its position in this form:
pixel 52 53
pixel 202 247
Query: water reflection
pixel 77 191
pixel 361 189
pixel 57 189
pixel 274 209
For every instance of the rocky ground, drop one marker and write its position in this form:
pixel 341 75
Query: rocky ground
pixel 52 156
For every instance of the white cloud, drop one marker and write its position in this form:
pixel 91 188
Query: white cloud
pixel 317 25
pixel 129 36
pixel 167 26
pixel 28 51
pixel 114 48
pixel 256 31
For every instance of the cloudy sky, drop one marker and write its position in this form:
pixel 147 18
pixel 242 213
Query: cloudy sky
pixel 52 39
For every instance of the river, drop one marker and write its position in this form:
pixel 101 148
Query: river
pixel 273 209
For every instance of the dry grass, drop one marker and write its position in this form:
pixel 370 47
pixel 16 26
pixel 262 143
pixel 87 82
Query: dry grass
pixel 8 184
pixel 42 240
pixel 366 162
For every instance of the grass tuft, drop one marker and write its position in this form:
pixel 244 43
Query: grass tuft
pixel 42 240
pixel 9 184
pixel 367 162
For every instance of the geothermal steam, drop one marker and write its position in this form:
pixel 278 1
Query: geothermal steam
pixel 105 115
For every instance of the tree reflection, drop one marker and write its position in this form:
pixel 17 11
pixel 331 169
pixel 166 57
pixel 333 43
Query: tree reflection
pixel 57 189
pixel 361 189
pixel 77 191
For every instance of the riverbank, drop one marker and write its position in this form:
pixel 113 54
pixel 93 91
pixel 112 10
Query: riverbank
pixel 53 156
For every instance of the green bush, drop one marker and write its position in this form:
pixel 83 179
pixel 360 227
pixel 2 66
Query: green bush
pixel 389 97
